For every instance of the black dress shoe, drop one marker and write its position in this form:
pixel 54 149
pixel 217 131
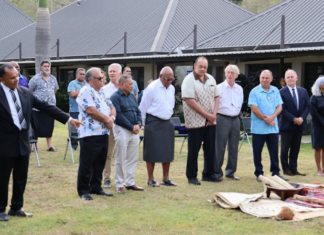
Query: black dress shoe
pixel 257 178
pixel 20 213
pixel 298 173
pixel 4 216
pixel 194 181
pixel 280 176
pixel 103 193
pixel 288 173
pixel 233 177
pixel 212 178
pixel 86 197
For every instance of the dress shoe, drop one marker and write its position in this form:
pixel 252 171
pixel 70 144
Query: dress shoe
pixel 134 187
pixel 288 173
pixel 103 193
pixel 233 177
pixel 168 183
pixel 257 178
pixel 120 190
pixel 280 176
pixel 20 213
pixel 4 216
pixel 298 173
pixel 212 178
pixel 86 197
pixel 194 181
pixel 153 183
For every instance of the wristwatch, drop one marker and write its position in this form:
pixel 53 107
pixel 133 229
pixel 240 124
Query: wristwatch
pixel 113 118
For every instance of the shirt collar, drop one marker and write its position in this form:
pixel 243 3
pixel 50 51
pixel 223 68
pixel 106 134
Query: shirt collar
pixel 197 78
pixel 80 82
pixel 120 92
pixel 5 87
pixel 290 88
pixel 263 90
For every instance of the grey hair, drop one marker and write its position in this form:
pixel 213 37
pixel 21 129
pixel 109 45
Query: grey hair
pixel 116 65
pixel 79 69
pixel 163 70
pixel 316 91
pixel 267 70
pixel 89 73
pixel 234 67
pixel 291 70
pixel 123 78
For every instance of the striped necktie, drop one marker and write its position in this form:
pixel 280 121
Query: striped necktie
pixel 295 98
pixel 22 120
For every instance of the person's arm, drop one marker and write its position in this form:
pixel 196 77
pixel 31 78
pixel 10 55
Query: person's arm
pixel 73 90
pixel 307 106
pixel 136 95
pixel 121 120
pixel 285 113
pixel 74 94
pixel 145 103
pixel 192 103
pixel 257 112
pixel 56 86
pixel 32 85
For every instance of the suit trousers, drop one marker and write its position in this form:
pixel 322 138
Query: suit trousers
pixel 74 143
pixel 258 141
pixel 227 133
pixel 111 147
pixel 93 155
pixel 19 168
pixel 195 139
pixel 127 145
pixel 290 142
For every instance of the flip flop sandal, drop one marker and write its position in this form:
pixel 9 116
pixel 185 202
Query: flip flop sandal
pixel 51 149
pixel 153 183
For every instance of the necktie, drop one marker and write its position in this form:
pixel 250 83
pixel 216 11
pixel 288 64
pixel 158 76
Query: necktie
pixel 294 97
pixel 22 120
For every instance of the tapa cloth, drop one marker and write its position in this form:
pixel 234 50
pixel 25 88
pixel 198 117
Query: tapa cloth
pixel 158 140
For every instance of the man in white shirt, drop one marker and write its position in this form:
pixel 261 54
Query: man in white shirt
pixel 228 122
pixel 157 109
pixel 114 72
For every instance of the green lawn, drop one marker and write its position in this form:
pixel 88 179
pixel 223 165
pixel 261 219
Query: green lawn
pixel 52 197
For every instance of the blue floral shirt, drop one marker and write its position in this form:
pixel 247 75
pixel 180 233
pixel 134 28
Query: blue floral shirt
pixel 89 97
pixel 267 103
pixel 74 86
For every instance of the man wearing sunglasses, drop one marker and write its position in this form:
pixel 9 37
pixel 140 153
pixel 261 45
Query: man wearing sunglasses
pixel 98 114
pixel 157 109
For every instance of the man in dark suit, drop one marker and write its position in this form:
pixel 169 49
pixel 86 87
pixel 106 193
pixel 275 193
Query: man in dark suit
pixel 16 105
pixel 295 109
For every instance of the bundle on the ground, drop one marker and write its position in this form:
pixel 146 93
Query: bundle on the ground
pixel 275 182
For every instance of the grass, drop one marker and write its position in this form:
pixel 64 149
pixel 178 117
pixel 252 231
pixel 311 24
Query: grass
pixel 52 197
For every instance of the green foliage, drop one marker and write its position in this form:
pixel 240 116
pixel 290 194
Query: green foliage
pixel 62 96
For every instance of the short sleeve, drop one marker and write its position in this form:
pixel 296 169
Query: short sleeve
pixel 86 99
pixel 135 87
pixel 56 85
pixel 252 99
pixel 278 98
pixel 216 91
pixel 187 88
pixel 32 84
pixel 71 87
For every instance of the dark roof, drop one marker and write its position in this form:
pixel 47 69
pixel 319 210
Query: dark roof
pixel 211 16
pixel 304 26
pixel 12 19
pixel 94 26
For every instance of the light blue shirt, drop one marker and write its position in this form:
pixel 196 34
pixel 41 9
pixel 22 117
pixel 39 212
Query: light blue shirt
pixel 74 86
pixel 135 88
pixel 267 103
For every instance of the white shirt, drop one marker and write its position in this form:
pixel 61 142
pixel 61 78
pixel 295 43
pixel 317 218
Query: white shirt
pixel 296 93
pixel 12 106
pixel 109 89
pixel 157 101
pixel 230 99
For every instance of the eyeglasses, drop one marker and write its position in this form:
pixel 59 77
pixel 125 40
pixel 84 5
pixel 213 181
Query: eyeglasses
pixel 99 78
pixel 168 79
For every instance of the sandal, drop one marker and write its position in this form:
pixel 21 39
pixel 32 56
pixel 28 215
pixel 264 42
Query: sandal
pixel 153 183
pixel 168 183
pixel 51 149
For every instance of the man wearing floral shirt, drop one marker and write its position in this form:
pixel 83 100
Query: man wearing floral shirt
pixel 98 115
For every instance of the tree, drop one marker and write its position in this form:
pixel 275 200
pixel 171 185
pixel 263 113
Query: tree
pixel 257 6
pixel 43 34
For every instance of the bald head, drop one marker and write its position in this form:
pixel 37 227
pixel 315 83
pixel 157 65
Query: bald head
pixel 166 70
pixel 16 65
pixel 166 76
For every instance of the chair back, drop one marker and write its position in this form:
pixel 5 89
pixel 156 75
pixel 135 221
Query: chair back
pixel 176 121
pixel 73 133
pixel 246 124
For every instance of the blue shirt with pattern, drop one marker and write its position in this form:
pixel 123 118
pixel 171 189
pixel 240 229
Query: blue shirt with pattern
pixel 23 81
pixel 74 86
pixel 267 103
pixel 135 88
pixel 89 97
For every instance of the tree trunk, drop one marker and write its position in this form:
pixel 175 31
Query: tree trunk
pixel 43 35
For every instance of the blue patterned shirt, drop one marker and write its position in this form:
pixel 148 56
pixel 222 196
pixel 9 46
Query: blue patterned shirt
pixel 89 97
pixel 267 103
pixel 74 86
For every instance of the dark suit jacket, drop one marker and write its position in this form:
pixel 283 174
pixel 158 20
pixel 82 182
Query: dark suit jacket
pixel 15 142
pixel 289 110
